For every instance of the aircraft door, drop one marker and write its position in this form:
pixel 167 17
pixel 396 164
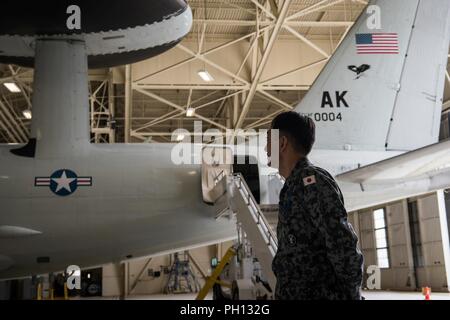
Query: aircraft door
pixel 250 172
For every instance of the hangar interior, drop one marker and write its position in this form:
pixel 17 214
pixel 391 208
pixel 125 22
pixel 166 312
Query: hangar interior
pixel 233 71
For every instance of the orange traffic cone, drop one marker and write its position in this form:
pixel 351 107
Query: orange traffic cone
pixel 427 293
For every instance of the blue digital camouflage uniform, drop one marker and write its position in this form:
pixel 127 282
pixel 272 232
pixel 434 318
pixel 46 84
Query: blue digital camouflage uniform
pixel 317 254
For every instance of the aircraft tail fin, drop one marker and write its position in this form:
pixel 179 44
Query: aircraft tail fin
pixel 383 87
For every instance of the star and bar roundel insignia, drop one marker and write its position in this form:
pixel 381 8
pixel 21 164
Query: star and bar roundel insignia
pixel 63 182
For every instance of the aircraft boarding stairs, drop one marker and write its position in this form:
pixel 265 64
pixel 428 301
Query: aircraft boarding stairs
pixel 256 227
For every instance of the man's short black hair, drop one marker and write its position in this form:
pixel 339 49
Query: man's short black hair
pixel 300 129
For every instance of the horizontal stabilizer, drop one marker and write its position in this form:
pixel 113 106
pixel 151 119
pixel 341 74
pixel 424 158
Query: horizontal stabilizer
pixel 427 160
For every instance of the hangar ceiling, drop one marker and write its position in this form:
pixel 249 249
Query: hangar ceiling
pixel 262 55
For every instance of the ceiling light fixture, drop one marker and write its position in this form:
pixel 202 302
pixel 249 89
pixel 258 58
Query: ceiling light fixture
pixel 205 76
pixel 27 114
pixel 12 87
pixel 190 112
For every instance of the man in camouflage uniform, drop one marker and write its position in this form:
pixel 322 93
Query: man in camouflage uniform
pixel 317 254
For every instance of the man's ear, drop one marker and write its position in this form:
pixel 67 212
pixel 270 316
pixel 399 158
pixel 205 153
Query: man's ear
pixel 283 143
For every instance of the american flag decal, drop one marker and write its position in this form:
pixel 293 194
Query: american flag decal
pixel 377 43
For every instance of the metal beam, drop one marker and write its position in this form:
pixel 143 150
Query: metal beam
pixel 15 127
pixel 202 55
pixel 165 117
pixel 227 2
pixel 236 106
pixel 313 8
pixel 128 102
pixel 205 96
pixel 343 36
pixel 23 89
pixel 192 134
pixel 198 54
pixel 212 64
pixel 276 100
pixel 273 6
pixel 364 2
pixel 126 279
pixel 11 139
pixel 302 68
pixel 197 265
pixel 259 121
pixel 250 50
pixel 219 111
pixel 228 95
pixel 190 86
pixel 174 105
pixel 15 76
pixel 201 41
pixel 178 64
pixel 228 113
pixel 182 117
pixel 15 138
pixel 283 12
pixel 260 124
pixel 189 101
pixel 263 9
pixel 27 77
pixel 17 117
pixel 195 56
pixel 133 286
pixel 308 42
pixel 229 43
pixel 2 126
pixel 297 24
pixel 111 106
pixel 284 88
pixel 446 105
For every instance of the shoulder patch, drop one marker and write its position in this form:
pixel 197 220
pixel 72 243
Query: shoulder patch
pixel 309 180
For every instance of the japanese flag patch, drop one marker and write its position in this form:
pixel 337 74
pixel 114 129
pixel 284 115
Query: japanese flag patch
pixel 309 180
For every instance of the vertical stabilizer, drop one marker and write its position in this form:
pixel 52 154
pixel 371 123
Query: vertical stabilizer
pixel 383 87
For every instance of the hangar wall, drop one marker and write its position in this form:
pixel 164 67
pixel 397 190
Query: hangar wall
pixel 417 242
pixel 147 284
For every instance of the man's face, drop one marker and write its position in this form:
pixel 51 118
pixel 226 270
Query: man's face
pixel 280 147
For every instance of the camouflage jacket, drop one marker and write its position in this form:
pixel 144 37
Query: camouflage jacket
pixel 317 254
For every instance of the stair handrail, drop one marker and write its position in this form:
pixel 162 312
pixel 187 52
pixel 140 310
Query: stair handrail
pixel 258 217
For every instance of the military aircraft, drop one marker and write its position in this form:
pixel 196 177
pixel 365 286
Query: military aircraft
pixel 377 105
